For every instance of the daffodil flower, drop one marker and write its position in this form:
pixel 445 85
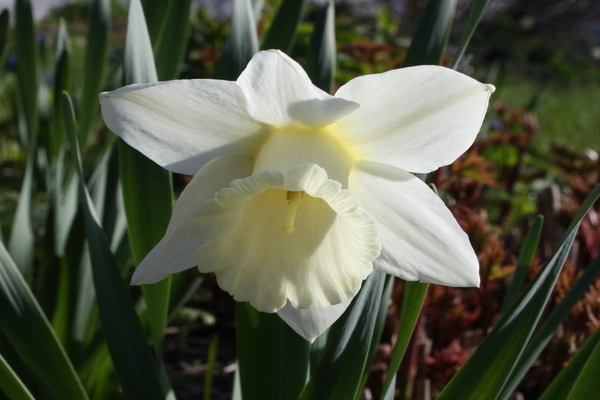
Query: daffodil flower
pixel 297 195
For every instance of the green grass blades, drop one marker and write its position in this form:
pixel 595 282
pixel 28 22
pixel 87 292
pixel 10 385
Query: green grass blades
pixel 272 359
pixel 431 36
pixel 320 60
pixel 242 42
pixel 283 30
pixel 339 374
pixel 577 372
pixel 126 342
pixel 487 370
pixel 27 329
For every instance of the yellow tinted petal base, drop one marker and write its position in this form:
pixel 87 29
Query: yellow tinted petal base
pixel 322 260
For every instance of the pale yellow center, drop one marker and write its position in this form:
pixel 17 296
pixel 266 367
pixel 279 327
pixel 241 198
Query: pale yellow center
pixel 293 199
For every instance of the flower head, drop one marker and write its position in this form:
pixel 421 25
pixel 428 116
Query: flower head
pixel 297 195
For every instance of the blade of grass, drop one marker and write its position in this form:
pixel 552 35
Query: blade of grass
pixel 486 371
pixel 586 384
pixel 284 27
pixel 26 327
pixel 338 376
pixel 530 244
pixel 431 36
pixel 242 42
pixel 211 359
pixel 126 341
pixel 321 57
pixel 21 242
pixel 412 303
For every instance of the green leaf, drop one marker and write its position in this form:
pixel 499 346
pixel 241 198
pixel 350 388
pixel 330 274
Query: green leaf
pixel 412 303
pixel 320 60
pixel 339 373
pixel 62 82
pixel 4 23
pixel 284 28
pixel 28 76
pixel 487 369
pixel 272 359
pixel 586 385
pixel 530 244
pixel 242 42
pixel 21 242
pixel 548 328
pixel 147 189
pixel 10 383
pixel 431 36
pixel 26 327
pixel 562 385
pixel 126 341
pixel 477 8
pixel 94 68
pixel 170 46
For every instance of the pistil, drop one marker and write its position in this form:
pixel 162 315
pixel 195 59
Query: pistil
pixel 293 198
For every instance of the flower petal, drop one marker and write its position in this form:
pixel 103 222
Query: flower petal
pixel 274 89
pixel 181 125
pixel 420 238
pixel 176 250
pixel 262 256
pixel 310 323
pixel 417 118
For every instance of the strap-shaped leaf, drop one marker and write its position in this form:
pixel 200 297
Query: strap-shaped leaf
pixel 272 359
pixel 147 189
pixel 530 244
pixel 562 386
pixel 242 42
pixel 26 327
pixel 488 368
pixel 412 303
pixel 94 67
pixel 131 356
pixel 21 241
pixel 477 8
pixel 28 76
pixel 339 373
pixel 321 57
pixel 173 39
pixel 548 328
pixel 431 36
pixel 10 383
pixel 284 28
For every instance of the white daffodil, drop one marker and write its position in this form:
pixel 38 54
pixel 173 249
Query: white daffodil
pixel 297 195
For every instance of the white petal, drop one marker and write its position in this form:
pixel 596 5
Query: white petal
pixel 176 250
pixel 245 234
pixel 181 125
pixel 312 322
pixel 417 118
pixel 274 89
pixel 420 238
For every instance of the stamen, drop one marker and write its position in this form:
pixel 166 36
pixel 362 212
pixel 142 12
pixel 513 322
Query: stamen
pixel 292 198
